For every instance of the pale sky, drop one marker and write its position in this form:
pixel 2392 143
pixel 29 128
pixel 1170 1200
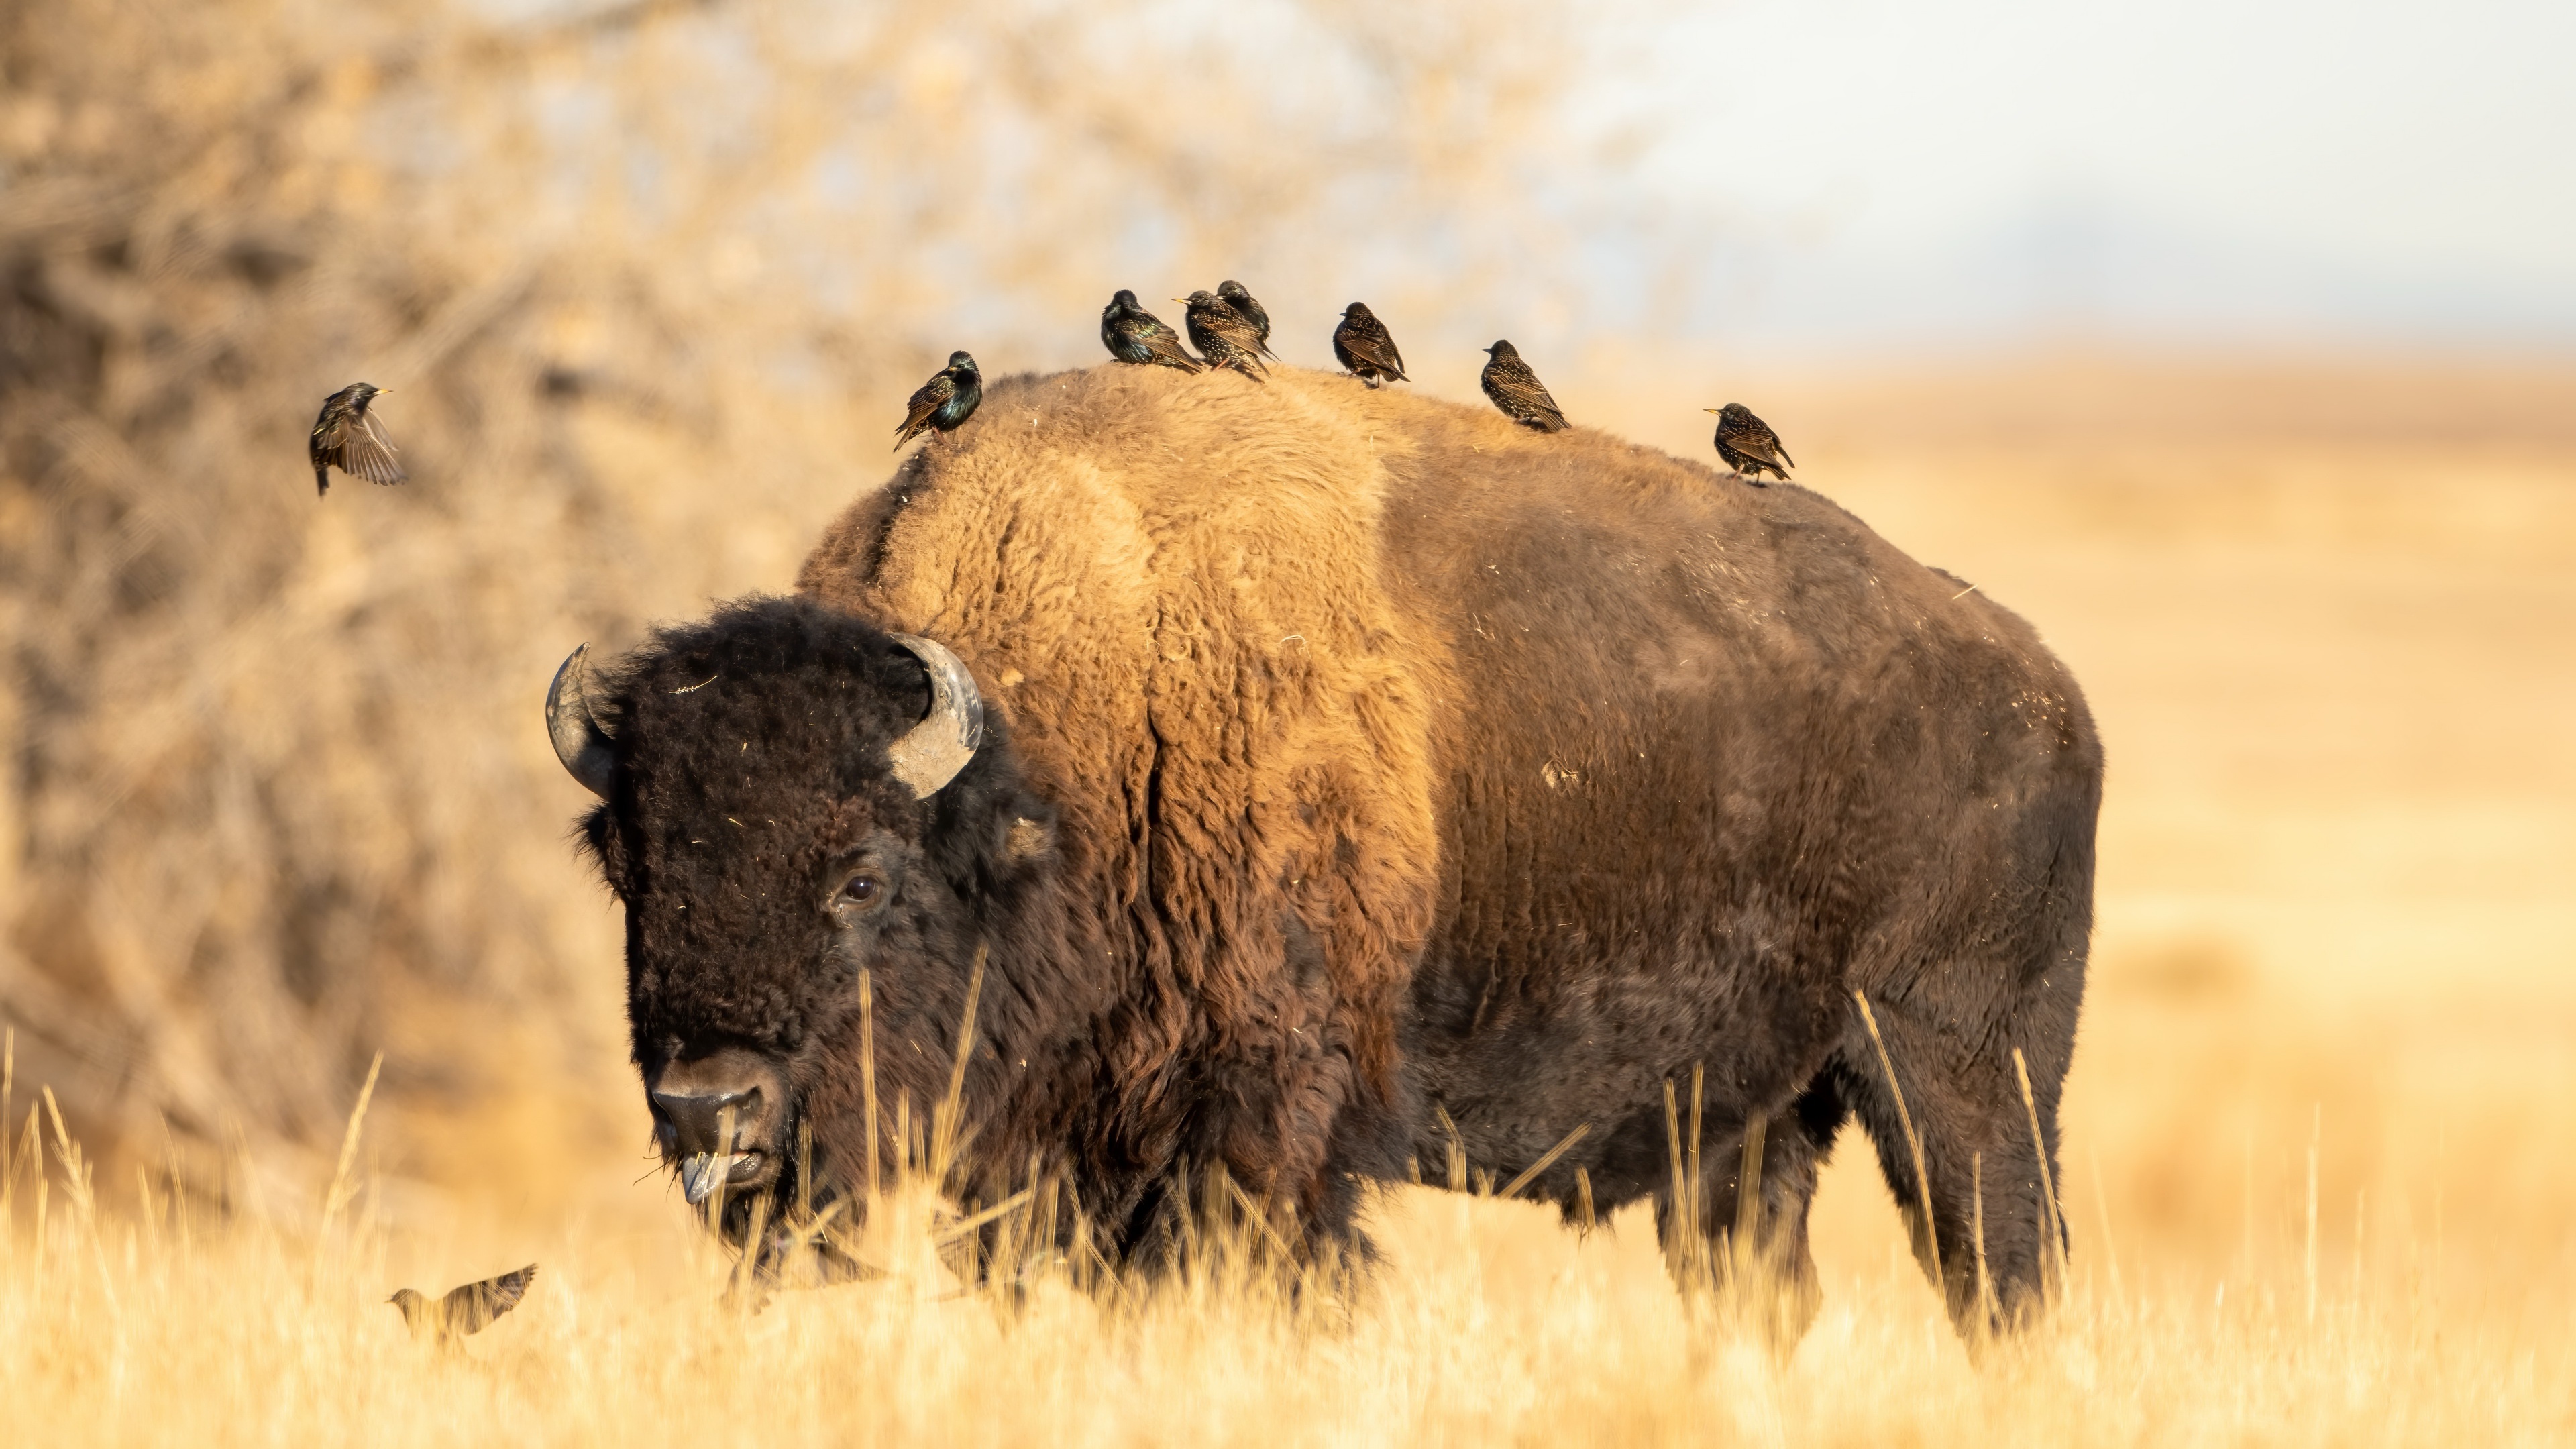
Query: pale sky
pixel 2293 170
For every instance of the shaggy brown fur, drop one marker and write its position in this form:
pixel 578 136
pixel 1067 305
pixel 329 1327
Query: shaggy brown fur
pixel 1355 753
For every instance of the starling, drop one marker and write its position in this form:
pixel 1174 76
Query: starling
pixel 1518 392
pixel 945 402
pixel 1249 308
pixel 465 1310
pixel 1748 445
pixel 1133 334
pixel 348 437
pixel 1225 337
pixel 1364 346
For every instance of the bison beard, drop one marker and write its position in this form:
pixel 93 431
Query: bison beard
pixel 1359 762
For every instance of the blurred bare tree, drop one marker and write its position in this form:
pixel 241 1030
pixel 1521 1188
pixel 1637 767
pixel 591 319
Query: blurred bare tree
pixel 647 281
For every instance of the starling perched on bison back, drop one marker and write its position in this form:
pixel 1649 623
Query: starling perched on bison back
pixel 1518 392
pixel 1748 445
pixel 1365 347
pixel 1135 335
pixel 1249 308
pixel 945 402
pixel 1225 337
pixel 346 436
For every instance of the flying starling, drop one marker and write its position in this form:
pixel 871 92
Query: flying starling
pixel 1249 308
pixel 1225 337
pixel 1365 347
pixel 348 437
pixel 1133 334
pixel 1518 392
pixel 465 1310
pixel 1748 445
pixel 945 402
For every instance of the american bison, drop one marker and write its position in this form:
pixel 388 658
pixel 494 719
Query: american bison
pixel 1333 778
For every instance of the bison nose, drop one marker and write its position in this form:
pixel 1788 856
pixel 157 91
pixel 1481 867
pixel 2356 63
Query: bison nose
pixel 711 1121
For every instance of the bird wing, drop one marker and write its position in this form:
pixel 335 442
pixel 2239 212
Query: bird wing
pixel 469 1308
pixel 1162 342
pixel 916 413
pixel 1229 324
pixel 1526 391
pixel 1373 346
pixel 367 451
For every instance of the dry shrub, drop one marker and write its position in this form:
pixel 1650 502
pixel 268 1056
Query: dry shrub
pixel 648 281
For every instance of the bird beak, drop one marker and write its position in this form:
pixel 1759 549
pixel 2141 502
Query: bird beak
pixel 1712 410
pixel 1180 299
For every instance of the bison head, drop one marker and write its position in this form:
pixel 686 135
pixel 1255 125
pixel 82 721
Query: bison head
pixel 790 797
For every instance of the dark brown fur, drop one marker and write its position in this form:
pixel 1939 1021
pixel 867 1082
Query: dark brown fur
pixel 1353 754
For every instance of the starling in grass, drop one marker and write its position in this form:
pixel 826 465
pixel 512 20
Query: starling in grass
pixel 1364 346
pixel 1518 392
pixel 348 437
pixel 1748 445
pixel 465 1310
pixel 1133 334
pixel 1225 337
pixel 945 402
pixel 1249 308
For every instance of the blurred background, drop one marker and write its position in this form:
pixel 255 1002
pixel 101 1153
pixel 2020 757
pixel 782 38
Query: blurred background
pixel 2235 345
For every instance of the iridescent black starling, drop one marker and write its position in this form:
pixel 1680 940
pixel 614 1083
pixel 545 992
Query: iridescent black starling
pixel 1518 392
pixel 1225 337
pixel 1133 334
pixel 1247 307
pixel 944 402
pixel 1748 445
pixel 1365 347
pixel 346 436
pixel 465 1310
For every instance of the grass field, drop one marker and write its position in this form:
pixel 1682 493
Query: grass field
pixel 2319 1161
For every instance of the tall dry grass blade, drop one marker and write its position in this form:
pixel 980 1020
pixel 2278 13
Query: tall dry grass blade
pixel 966 1225
pixel 338 1194
pixel 1930 1247
pixel 2110 1247
pixel 1583 1215
pixel 1546 1161
pixel 1698 1184
pixel 2052 1221
pixel 944 1120
pixel 8 1087
pixel 2317 1130
pixel 1748 1198
pixel 868 1077
pixel 1677 1230
pixel 1259 1217
pixel 1459 1179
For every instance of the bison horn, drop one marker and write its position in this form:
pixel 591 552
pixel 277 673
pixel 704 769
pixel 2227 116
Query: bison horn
pixel 932 752
pixel 580 743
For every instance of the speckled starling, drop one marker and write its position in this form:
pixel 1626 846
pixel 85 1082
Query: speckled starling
pixel 1222 335
pixel 348 437
pixel 1133 334
pixel 1748 445
pixel 1366 348
pixel 1518 392
pixel 1249 308
pixel 944 402
pixel 469 1309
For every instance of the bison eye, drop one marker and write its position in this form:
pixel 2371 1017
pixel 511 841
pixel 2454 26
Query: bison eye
pixel 863 892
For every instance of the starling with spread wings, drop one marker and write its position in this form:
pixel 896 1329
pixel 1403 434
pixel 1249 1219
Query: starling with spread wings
pixel 348 437
pixel 1748 445
pixel 944 403
pixel 1249 308
pixel 469 1309
pixel 1222 335
pixel 1133 334
pixel 1518 392
pixel 1366 347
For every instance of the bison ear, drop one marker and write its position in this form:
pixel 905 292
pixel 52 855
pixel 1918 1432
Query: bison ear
pixel 1028 841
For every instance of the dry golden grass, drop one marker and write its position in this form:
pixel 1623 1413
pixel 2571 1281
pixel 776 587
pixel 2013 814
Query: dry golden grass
pixel 278 799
